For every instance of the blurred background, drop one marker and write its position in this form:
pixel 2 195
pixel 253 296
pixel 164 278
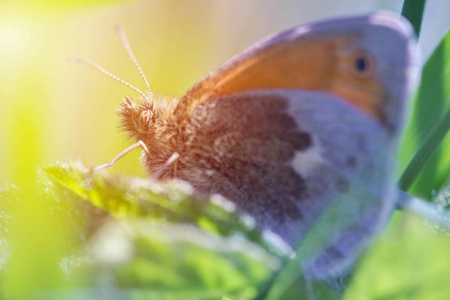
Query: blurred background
pixel 52 110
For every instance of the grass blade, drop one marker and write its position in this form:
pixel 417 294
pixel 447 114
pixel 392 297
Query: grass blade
pixel 429 145
pixel 423 159
pixel 413 11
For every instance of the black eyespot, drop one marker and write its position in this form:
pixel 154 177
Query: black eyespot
pixel 363 64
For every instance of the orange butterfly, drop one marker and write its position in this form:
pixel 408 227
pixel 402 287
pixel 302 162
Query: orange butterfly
pixel 300 130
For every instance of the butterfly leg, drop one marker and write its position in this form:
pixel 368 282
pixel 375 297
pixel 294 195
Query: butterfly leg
pixel 173 159
pixel 122 154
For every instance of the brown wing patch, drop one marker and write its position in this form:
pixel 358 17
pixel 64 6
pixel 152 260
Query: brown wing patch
pixel 242 149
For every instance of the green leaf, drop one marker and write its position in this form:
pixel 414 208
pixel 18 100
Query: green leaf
pixel 162 236
pixel 427 128
pixel 409 262
pixel 173 201
pixel 171 258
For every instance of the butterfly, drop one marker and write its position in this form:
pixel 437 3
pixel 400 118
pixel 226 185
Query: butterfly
pixel 300 131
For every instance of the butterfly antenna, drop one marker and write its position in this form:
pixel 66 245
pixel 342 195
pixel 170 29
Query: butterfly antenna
pixel 100 69
pixel 125 42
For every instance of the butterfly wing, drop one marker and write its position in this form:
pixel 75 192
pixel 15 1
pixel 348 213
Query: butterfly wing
pixel 363 60
pixel 301 131
pixel 304 173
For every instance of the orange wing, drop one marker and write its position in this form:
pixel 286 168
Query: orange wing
pixel 339 56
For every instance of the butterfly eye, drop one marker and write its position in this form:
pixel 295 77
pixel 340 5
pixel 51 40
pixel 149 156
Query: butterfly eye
pixel 363 64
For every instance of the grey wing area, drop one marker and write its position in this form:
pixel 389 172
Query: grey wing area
pixel 305 164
